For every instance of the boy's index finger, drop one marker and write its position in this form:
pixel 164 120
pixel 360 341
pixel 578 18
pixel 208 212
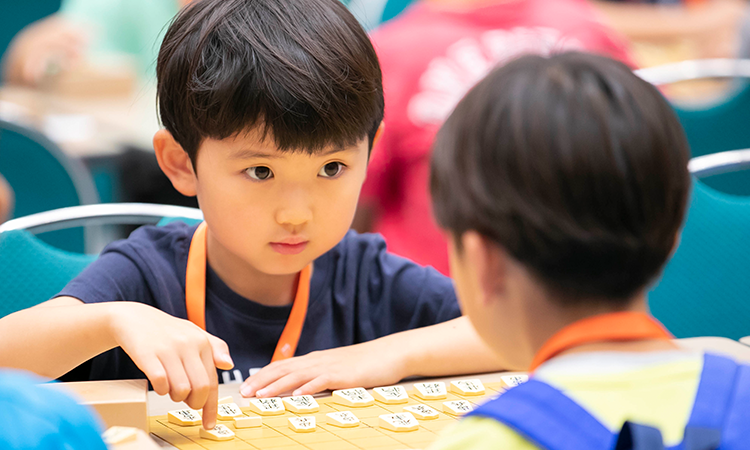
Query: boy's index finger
pixel 210 408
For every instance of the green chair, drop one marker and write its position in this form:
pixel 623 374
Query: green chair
pixel 44 178
pixel 717 127
pixel 705 288
pixel 372 13
pixel 393 8
pixel 32 271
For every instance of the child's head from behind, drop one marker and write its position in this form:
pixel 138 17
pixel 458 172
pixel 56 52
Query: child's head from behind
pixel 567 172
pixel 274 105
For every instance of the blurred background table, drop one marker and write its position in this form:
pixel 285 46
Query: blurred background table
pixel 85 126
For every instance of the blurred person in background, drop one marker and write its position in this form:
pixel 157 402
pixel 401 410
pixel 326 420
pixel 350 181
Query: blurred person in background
pixel 94 32
pixel 431 55
pixel 666 31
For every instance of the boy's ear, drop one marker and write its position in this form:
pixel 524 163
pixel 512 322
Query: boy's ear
pixel 490 263
pixel 175 163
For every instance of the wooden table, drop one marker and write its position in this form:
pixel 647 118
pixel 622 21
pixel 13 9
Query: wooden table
pixel 85 126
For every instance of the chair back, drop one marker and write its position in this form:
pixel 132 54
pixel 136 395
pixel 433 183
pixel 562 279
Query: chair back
pixel 705 287
pixel 393 8
pixel 720 126
pixel 44 178
pixel 32 271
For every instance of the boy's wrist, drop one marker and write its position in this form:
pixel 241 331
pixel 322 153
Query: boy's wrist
pixel 407 358
pixel 113 314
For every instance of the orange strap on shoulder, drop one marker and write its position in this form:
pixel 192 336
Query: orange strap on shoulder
pixel 618 326
pixel 195 296
pixel 195 278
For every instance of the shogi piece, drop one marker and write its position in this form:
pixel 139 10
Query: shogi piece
pixel 247 422
pixel 457 407
pixel 430 391
pixel 118 435
pixel 302 424
pixel 342 419
pixel 356 397
pixel 228 411
pixel 301 404
pixel 514 380
pixel 422 412
pixel 184 417
pixel 467 387
pixel 399 422
pixel 391 395
pixel 267 406
pixel 219 433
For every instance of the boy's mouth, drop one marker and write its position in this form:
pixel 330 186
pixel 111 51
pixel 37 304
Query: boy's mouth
pixel 289 247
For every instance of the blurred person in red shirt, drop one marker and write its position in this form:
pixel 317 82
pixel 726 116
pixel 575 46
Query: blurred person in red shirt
pixel 431 55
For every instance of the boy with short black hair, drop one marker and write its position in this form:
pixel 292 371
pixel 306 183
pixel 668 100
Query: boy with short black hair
pixel 270 108
pixel 563 182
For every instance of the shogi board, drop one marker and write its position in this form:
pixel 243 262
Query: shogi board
pixel 275 433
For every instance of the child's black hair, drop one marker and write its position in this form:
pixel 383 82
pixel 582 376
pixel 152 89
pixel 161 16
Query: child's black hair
pixel 573 165
pixel 304 71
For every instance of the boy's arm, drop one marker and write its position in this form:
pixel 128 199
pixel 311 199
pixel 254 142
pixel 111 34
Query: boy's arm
pixel 448 348
pixel 54 337
pixel 178 358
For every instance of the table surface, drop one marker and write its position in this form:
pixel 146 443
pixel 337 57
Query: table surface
pixel 159 405
pixel 85 126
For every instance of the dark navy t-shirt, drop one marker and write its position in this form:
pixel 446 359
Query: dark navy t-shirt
pixel 358 292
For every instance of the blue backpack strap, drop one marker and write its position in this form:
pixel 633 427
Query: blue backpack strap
pixel 706 429
pixel 736 432
pixel 634 436
pixel 715 392
pixel 548 418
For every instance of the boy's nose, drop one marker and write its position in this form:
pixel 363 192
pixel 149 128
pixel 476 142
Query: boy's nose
pixel 293 215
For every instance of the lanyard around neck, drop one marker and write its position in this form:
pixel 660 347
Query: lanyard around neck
pixel 195 296
pixel 618 326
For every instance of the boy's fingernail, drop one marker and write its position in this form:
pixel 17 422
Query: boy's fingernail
pixel 246 391
pixel 297 392
pixel 261 393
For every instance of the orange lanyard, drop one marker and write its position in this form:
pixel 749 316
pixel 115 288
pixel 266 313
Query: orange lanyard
pixel 195 296
pixel 618 326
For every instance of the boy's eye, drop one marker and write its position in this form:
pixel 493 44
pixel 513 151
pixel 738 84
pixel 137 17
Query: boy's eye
pixel 331 169
pixel 260 173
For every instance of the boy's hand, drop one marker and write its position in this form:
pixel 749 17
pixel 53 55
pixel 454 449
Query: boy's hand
pixel 178 357
pixel 448 348
pixel 373 363
pixel 51 43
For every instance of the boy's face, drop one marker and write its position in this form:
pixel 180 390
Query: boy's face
pixel 276 211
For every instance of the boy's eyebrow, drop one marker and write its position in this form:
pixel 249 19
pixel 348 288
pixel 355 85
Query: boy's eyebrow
pixel 250 153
